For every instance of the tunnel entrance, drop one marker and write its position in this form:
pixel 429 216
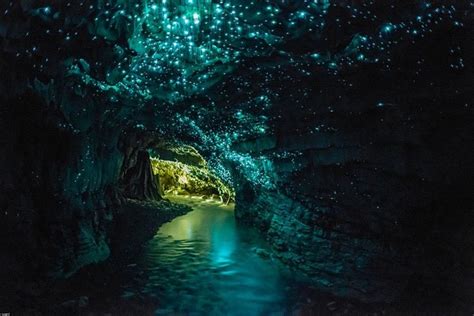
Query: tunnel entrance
pixel 154 168
pixel 182 170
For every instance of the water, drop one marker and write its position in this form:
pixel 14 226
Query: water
pixel 204 263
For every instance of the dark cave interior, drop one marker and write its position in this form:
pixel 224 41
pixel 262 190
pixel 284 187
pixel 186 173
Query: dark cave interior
pixel 340 132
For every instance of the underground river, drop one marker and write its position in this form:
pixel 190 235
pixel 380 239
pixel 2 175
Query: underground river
pixel 205 263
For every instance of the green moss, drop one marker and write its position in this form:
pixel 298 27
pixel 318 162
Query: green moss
pixel 179 178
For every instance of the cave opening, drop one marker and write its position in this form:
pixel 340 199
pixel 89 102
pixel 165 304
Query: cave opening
pixel 153 168
pixel 182 170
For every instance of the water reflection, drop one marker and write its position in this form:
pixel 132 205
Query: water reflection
pixel 203 263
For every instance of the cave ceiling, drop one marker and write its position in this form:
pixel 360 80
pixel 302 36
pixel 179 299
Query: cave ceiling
pixel 217 72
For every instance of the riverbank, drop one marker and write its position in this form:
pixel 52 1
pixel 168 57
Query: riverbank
pixel 96 285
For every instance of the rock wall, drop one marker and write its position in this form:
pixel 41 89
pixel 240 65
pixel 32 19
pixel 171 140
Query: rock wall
pixel 374 204
pixel 60 158
pixel 58 193
pixel 137 180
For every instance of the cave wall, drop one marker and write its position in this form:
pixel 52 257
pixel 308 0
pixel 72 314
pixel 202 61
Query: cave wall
pixel 378 201
pixel 60 156
pixel 367 216
pixel 58 192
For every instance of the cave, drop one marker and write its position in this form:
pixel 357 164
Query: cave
pixel 230 157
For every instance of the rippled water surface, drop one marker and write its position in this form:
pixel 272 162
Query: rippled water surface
pixel 203 263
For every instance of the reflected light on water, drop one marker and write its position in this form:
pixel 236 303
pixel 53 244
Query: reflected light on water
pixel 211 221
pixel 204 264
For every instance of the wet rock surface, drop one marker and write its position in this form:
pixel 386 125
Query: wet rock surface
pixel 369 212
pixel 98 284
pixel 59 189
